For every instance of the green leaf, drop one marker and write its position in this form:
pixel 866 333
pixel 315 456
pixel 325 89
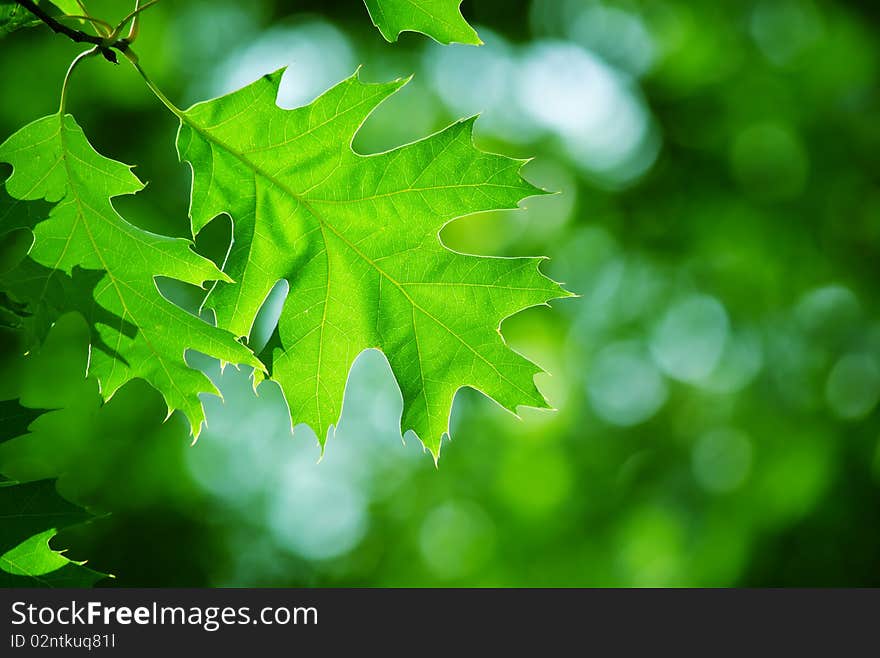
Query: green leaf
pixel 439 19
pixel 31 514
pixel 15 17
pixel 139 333
pixel 40 295
pixel 15 419
pixel 357 239
pixel 33 297
pixel 69 7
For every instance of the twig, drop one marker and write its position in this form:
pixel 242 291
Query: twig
pixel 105 46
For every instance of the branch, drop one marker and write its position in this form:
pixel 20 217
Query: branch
pixel 105 46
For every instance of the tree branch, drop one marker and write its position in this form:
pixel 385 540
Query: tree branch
pixel 105 46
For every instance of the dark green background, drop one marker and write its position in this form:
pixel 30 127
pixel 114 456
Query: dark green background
pixel 717 382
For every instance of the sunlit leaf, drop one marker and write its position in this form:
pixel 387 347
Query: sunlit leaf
pixel 439 19
pixel 357 239
pixel 87 258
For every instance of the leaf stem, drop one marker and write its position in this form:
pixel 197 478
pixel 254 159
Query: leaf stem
pixel 73 65
pixel 101 27
pixel 105 44
pixel 131 56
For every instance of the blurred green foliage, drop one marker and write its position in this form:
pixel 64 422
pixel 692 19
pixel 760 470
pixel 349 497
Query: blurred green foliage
pixel 716 386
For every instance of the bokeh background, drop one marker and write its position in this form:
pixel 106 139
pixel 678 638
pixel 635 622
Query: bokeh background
pixel 717 383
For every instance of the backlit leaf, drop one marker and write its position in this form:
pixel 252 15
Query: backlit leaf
pixel 87 258
pixel 357 239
